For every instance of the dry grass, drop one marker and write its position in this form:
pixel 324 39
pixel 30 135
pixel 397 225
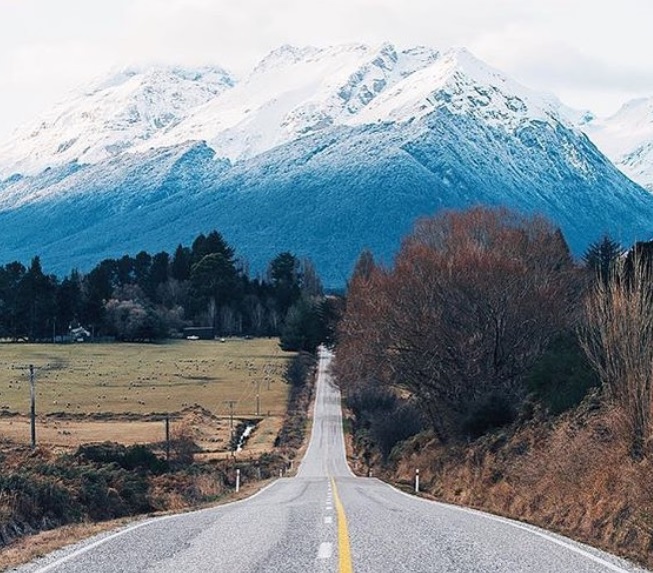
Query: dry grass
pixel 32 547
pixel 106 391
pixel 573 475
pixel 27 549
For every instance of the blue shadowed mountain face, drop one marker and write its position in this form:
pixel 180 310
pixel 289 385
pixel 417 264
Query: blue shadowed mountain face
pixel 325 196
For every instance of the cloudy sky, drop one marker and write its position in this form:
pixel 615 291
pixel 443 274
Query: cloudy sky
pixel 593 55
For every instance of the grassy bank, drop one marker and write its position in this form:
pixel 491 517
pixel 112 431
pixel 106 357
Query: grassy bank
pixel 572 474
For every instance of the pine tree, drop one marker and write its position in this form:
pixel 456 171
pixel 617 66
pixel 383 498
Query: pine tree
pixel 601 257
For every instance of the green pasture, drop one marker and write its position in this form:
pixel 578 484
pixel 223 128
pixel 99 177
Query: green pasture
pixel 124 378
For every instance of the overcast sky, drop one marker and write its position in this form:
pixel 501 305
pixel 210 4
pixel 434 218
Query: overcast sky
pixel 593 55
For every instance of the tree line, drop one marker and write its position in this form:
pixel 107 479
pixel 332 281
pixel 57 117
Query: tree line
pixel 484 311
pixel 148 297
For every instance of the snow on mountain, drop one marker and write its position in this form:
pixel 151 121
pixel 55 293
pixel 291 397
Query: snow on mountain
pixel 320 152
pixel 112 116
pixel 464 85
pixel 627 139
pixel 294 92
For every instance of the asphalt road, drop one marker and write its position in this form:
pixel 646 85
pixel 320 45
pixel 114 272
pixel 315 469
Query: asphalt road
pixel 327 520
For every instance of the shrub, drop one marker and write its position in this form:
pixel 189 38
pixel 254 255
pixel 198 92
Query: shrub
pixel 109 492
pixel 489 413
pixel 298 369
pixel 382 419
pixel 389 428
pixel 136 457
pixel 562 377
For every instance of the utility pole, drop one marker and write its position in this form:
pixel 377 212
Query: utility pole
pixel 231 404
pixel 258 397
pixel 32 396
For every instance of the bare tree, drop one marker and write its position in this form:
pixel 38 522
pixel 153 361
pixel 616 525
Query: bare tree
pixel 362 333
pixel 618 339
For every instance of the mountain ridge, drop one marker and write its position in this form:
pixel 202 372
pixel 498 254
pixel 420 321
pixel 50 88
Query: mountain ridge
pixel 325 164
pixel 627 139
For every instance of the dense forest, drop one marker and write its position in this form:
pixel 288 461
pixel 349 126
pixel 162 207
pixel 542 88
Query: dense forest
pixel 150 297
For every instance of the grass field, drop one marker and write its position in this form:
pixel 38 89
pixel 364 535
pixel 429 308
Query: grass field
pixel 107 391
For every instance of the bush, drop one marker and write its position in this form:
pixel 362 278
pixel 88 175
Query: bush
pixel 368 400
pixel 137 457
pixel 488 413
pixel 298 369
pixel 382 419
pixel 389 428
pixel 562 377
pixel 38 500
pixel 110 492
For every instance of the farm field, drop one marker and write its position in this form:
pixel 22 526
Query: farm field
pixel 122 392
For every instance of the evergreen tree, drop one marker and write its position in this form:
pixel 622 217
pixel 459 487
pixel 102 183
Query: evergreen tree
pixel 601 256
pixel 36 293
pixel 304 327
pixel 142 266
pixel 158 275
pixel 97 288
pixel 123 270
pixel 181 264
pixel 210 244
pixel 69 301
pixel 285 277
pixel 11 323
pixel 214 282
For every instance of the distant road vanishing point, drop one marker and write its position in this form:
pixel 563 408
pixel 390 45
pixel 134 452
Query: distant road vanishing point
pixel 327 520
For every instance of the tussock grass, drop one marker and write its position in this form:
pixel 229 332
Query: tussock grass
pixel 573 475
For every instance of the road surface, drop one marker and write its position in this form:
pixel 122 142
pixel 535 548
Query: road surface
pixel 327 520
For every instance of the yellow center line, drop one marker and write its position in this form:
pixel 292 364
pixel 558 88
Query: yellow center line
pixel 344 551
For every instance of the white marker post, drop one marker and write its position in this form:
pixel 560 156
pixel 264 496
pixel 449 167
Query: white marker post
pixel 416 481
pixel 237 480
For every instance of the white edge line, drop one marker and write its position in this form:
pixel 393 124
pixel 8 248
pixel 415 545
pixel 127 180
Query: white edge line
pixel 151 521
pixel 530 529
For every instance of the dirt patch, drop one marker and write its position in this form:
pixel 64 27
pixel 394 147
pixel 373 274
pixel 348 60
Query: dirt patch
pixel 211 433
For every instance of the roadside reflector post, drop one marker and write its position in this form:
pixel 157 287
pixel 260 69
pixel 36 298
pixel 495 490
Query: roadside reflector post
pixel 237 480
pixel 416 481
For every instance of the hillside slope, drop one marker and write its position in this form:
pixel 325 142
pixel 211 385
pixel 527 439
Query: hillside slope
pixel 442 130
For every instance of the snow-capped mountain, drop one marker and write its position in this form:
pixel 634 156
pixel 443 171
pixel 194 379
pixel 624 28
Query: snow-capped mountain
pixel 627 139
pixel 294 92
pixel 321 152
pixel 110 117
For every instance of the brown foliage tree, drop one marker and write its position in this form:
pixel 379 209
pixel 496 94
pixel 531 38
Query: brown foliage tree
pixel 361 330
pixel 471 303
